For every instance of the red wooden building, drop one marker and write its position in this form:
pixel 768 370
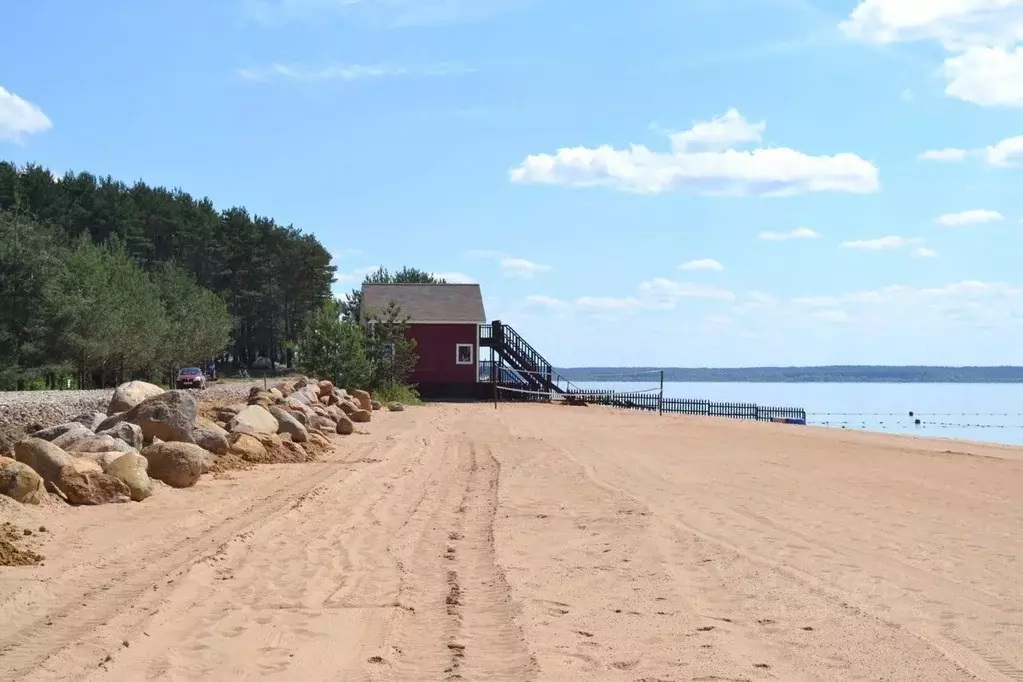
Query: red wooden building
pixel 445 321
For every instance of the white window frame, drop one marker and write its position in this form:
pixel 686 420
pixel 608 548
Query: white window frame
pixel 472 353
pixel 388 351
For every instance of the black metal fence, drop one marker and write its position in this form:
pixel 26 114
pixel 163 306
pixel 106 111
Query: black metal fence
pixel 655 402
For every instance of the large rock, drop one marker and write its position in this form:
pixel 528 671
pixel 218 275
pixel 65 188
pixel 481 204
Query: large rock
pixel 211 441
pixel 90 420
pixel 308 396
pixel 325 424
pixel 254 419
pixel 126 432
pixel 361 416
pixel 210 425
pixel 348 406
pixel 46 459
pixel 248 448
pixel 169 416
pixel 395 407
pixel 103 459
pixel 98 443
pixel 284 388
pixel 82 485
pixel 364 400
pixel 300 416
pixel 177 464
pixel 288 424
pixel 227 412
pixel 20 482
pixel 326 388
pixel 345 426
pixel 131 394
pixel 68 432
pixel 131 468
pixel 376 405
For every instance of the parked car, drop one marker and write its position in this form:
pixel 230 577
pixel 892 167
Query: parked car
pixel 190 377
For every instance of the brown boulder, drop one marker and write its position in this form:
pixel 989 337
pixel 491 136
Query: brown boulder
pixel 248 447
pixel 395 407
pixel 376 405
pixel 364 400
pixel 130 434
pixel 177 464
pixel 284 388
pixel 133 393
pixel 255 419
pixel 210 440
pixel 361 416
pixel 347 406
pixel 289 424
pixel 131 468
pixel 20 482
pixel 345 426
pixel 46 459
pixel 169 416
pixel 83 485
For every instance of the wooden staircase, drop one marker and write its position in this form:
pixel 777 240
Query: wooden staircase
pixel 517 364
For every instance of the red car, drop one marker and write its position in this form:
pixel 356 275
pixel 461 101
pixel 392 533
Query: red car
pixel 190 377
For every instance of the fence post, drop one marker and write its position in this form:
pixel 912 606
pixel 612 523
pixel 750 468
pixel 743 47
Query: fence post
pixel 660 396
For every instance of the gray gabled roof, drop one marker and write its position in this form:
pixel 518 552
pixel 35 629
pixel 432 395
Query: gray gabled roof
pixel 427 302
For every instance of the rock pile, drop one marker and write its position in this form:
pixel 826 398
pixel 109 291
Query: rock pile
pixel 149 434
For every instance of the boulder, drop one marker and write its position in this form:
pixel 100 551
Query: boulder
pixel 126 432
pixel 321 411
pixel 46 459
pixel 376 405
pixel 209 460
pixel 131 394
pixel 103 459
pixel 301 417
pixel 363 399
pixel 211 441
pixel 335 413
pixel 90 420
pixel 169 416
pixel 319 440
pixel 99 443
pixel 20 482
pixel 75 429
pixel 227 412
pixel 248 448
pixel 84 466
pixel 361 416
pixel 348 406
pixel 345 426
pixel 307 396
pixel 395 407
pixel 177 464
pixel 284 388
pixel 326 388
pixel 210 425
pixel 325 424
pixel 289 424
pixel 262 398
pixel 83 485
pixel 131 468
pixel 325 400
pixel 254 419
pixel 278 396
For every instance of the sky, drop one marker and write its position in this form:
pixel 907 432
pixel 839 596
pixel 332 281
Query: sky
pixel 631 182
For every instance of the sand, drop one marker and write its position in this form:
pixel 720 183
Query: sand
pixel 543 543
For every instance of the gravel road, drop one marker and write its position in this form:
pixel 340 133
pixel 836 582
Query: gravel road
pixel 21 408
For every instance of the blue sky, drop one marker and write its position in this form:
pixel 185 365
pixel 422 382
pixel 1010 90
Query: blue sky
pixel 665 182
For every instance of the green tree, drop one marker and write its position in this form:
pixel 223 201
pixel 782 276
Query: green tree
pixel 392 350
pixel 197 324
pixel 351 306
pixel 332 348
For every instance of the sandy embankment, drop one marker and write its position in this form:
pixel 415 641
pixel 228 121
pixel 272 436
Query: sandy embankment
pixel 549 543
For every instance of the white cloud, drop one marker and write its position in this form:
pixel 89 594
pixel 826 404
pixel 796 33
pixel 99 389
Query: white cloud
pixel 977 216
pixel 954 23
pixel 798 233
pixel 19 118
pixel 455 277
pixel 520 267
pixel 984 70
pixel 988 76
pixel 547 302
pixel 702 264
pixel 348 72
pixel 702 161
pixel 881 243
pixel 924 252
pixel 355 276
pixel 662 290
pixel 1005 153
pixel 950 154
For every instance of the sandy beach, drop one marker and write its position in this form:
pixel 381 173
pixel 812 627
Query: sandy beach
pixel 542 543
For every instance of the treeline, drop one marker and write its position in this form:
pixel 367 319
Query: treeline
pixel 823 374
pixel 147 241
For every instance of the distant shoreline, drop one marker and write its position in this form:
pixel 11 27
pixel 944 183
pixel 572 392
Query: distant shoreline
pixel 847 374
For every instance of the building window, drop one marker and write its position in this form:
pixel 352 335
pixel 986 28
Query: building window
pixel 388 351
pixel 463 354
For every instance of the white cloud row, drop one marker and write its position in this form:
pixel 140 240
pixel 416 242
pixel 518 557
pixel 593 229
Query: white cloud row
pixel 706 159
pixel 511 266
pixel 347 72
pixel 1004 154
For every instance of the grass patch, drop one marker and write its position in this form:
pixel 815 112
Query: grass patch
pixel 397 393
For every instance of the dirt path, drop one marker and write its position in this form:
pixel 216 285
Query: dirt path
pixel 544 543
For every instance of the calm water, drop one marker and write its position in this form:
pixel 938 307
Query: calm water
pixel 979 412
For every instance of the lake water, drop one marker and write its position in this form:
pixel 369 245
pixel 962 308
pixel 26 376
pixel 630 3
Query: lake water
pixel 980 412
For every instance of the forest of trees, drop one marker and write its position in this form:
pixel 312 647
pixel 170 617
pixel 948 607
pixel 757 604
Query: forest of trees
pixel 102 281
